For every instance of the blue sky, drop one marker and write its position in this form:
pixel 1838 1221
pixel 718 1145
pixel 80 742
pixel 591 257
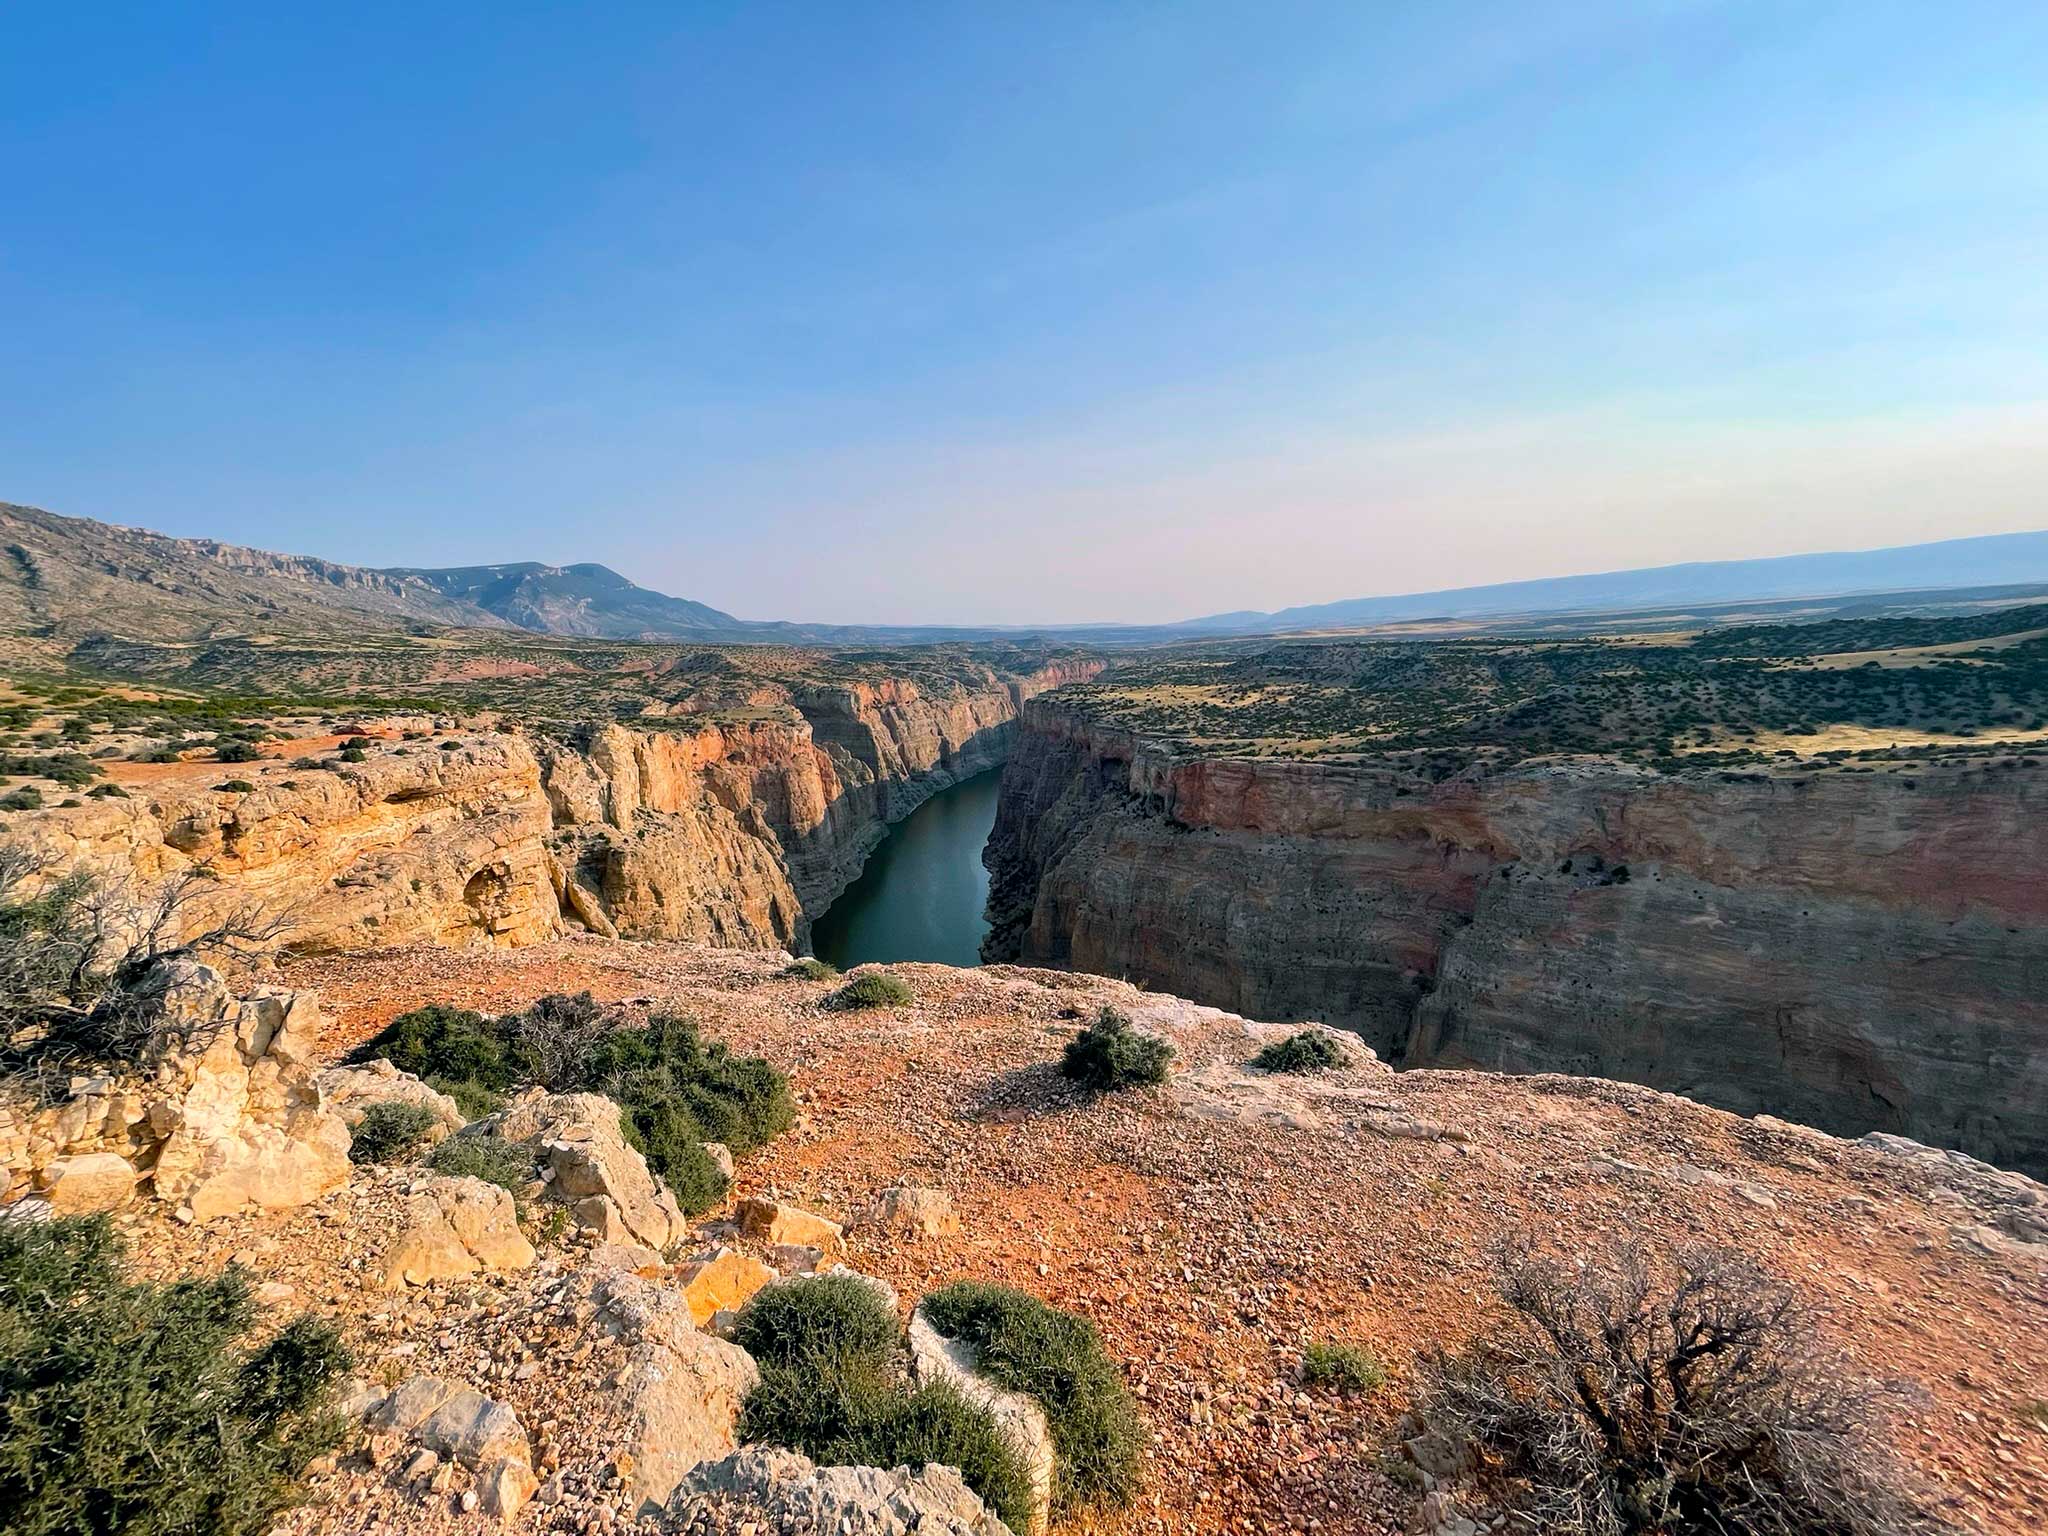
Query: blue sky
pixel 1030 313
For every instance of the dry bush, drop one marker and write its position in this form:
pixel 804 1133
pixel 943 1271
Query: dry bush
pixel 1618 1402
pixel 77 955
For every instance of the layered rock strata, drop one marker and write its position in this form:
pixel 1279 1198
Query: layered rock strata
pixel 1856 952
pixel 728 834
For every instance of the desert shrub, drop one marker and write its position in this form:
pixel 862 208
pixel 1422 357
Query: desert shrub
pixel 235 787
pixel 236 751
pixel 1056 1358
pixel 106 792
pixel 353 755
pixel 830 1387
pixel 873 989
pixel 438 1041
pixel 26 798
pixel 1347 1367
pixel 1111 1054
pixel 390 1132
pixel 1618 1402
pixel 739 1100
pixel 507 1164
pixel 470 1096
pixel 675 1091
pixel 134 1407
pixel 550 1042
pixel 828 1321
pixel 77 958
pixel 810 968
pixel 1309 1050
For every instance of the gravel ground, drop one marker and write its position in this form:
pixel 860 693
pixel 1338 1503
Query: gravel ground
pixel 1210 1229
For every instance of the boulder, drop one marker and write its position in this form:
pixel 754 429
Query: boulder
pixel 680 1390
pixel 936 1358
pixel 91 1181
pixel 350 1091
pixel 452 1423
pixel 457 1226
pixel 227 1116
pixel 805 1499
pixel 772 1222
pixel 724 1279
pixel 721 1154
pixel 607 1185
pixel 909 1211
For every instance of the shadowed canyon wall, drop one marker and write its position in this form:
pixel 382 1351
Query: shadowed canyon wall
pixel 1855 952
pixel 716 833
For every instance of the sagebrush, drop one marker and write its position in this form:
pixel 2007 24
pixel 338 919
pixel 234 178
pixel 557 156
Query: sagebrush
pixel 138 1408
pixel 675 1090
pixel 1308 1050
pixel 1695 1396
pixel 1110 1054
pixel 832 1387
pixel 1058 1359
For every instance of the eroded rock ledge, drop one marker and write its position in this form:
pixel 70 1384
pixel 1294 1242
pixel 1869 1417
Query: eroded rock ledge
pixel 715 833
pixel 1855 953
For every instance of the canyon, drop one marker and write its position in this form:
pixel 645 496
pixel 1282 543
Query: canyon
pixel 729 832
pixel 1856 952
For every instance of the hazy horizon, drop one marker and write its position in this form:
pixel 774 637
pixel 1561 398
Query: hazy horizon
pixel 1031 316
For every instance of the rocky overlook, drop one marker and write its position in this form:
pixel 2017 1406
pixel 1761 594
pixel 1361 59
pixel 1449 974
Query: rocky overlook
pixel 544 1376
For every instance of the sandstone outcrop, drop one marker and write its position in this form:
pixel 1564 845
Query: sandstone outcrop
pixel 350 1091
pixel 720 1281
pixel 456 1227
pixel 1857 952
pixel 909 1211
pixel 719 833
pixel 589 1167
pixel 772 1222
pixel 228 1118
pixel 679 1390
pixel 805 1499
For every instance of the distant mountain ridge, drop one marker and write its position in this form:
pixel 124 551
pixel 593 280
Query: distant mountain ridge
pixel 574 600
pixel 1992 560
pixel 75 576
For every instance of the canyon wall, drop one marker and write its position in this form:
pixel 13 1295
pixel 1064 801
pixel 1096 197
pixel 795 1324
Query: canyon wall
pixel 731 834
pixel 1854 951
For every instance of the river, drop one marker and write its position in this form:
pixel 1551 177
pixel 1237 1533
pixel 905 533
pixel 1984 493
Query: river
pixel 921 894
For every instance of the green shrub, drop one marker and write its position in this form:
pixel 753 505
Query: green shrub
pixel 873 989
pixel 830 1387
pixel 1347 1367
pixel 26 798
pixel 660 1130
pixel 507 1164
pixel 106 792
pixel 830 1322
pixel 1109 1054
pixel 438 1041
pixel 236 751
pixel 470 1096
pixel 133 1408
pixel 235 787
pixel 390 1132
pixel 674 1091
pixel 1309 1051
pixel 1057 1358
pixel 353 755
pixel 810 968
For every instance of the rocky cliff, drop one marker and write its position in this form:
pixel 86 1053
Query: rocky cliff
pixel 1853 951
pixel 730 834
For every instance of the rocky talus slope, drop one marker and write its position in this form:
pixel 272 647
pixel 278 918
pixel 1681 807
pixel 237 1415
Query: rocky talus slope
pixel 523 1371
pixel 720 833
pixel 1856 952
